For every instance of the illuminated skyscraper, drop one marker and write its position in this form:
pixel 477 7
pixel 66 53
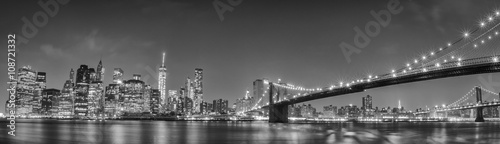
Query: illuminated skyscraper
pixel 189 88
pixel 132 99
pixel 92 75
pixel 95 99
pixel 173 96
pixel 26 85
pixel 50 105
pixel 66 99
pixel 198 90
pixel 162 78
pixel 117 76
pixel 111 99
pixel 100 72
pixel 40 85
pixel 81 91
pixel 82 74
pixel 155 101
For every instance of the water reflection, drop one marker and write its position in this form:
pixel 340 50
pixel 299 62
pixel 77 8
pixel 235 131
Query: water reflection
pixel 118 132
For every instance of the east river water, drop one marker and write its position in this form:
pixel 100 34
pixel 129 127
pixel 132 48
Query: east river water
pixel 247 132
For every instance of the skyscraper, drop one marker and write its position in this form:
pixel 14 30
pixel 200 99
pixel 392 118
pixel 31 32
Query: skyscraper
pixel 162 78
pixel 155 101
pixel 40 85
pixel 367 102
pixel 259 90
pixel 82 74
pixel 100 72
pixel 26 83
pixel 198 90
pixel 66 99
pixel 81 91
pixel 117 76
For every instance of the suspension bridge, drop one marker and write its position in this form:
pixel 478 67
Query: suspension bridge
pixel 474 52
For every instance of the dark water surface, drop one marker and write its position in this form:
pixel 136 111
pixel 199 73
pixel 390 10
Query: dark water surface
pixel 232 132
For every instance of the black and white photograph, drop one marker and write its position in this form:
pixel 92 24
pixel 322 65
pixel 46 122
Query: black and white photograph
pixel 250 72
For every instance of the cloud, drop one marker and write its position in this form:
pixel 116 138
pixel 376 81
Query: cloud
pixel 51 51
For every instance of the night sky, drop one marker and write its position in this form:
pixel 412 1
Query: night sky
pixel 297 41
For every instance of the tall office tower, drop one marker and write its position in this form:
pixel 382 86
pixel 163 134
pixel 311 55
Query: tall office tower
pixel 100 72
pixel 81 91
pixel 50 105
pixel 111 99
pixel 260 87
pixel 117 76
pixel 72 77
pixel 146 99
pixel 198 89
pixel 180 105
pixel 66 100
pixel 40 85
pixel 133 91
pixel 92 75
pixel 81 102
pixel 162 81
pixel 368 101
pixel 173 96
pixel 189 88
pixel 225 106
pixel 26 83
pixel 82 74
pixel 188 107
pixel 155 101
pixel 219 106
pixel 95 99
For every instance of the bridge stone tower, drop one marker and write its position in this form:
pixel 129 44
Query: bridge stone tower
pixel 479 110
pixel 277 113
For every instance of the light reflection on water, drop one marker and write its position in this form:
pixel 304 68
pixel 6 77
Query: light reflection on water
pixel 218 132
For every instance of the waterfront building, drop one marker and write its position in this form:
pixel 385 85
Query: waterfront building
pixel 131 101
pixel 95 99
pixel 26 85
pixel 155 101
pixel 81 102
pixel 40 85
pixel 49 102
pixel 66 99
pixel 330 111
pixel 146 99
pixel 198 90
pixel 111 99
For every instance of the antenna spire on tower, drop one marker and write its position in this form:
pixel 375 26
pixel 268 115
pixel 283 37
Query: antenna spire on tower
pixel 163 60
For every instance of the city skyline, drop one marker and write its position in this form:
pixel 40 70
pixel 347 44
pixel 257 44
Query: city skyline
pixel 228 77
